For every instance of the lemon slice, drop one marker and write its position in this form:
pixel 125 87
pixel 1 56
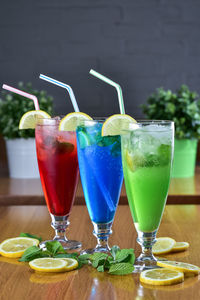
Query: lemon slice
pixel 72 120
pixel 162 276
pixel 163 245
pixel 180 246
pixel 48 264
pixel 179 266
pixel 15 247
pixel 29 119
pixel 115 124
pixel 71 263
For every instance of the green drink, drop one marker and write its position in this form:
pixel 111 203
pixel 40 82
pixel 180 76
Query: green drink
pixel 147 157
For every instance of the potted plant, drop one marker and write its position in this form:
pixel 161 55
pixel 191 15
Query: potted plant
pixel 182 107
pixel 20 144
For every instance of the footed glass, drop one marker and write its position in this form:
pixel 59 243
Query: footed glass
pixel 147 151
pixel 59 172
pixel 101 176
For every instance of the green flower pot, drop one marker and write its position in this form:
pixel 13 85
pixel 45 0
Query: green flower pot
pixel 184 158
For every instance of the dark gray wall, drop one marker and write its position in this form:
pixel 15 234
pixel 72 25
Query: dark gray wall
pixel 141 44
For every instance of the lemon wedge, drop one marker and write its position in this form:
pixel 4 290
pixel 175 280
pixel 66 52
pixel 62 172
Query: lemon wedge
pixel 72 120
pixel 162 276
pixel 163 245
pixel 71 263
pixel 180 246
pixel 179 266
pixel 29 119
pixel 15 247
pixel 115 124
pixel 48 264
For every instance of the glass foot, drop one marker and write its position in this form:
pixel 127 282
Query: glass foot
pixel 145 263
pixel 67 244
pixel 97 249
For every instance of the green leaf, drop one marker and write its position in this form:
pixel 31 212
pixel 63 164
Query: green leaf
pixel 32 253
pixel 84 257
pixel 121 269
pixel 98 258
pixel 125 254
pixel 54 247
pixel 100 269
pixel 66 255
pixel 22 234
pixel 114 251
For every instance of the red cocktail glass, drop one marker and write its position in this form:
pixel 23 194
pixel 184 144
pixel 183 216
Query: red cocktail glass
pixel 59 173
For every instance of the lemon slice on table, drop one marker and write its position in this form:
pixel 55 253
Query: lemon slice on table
pixel 29 119
pixel 48 264
pixel 71 263
pixel 72 120
pixel 179 266
pixel 180 246
pixel 163 245
pixel 15 247
pixel 162 276
pixel 115 124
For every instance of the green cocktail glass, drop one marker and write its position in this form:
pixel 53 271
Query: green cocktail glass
pixel 147 151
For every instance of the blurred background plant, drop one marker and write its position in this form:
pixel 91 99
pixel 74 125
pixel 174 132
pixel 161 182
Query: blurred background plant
pixel 182 107
pixel 13 106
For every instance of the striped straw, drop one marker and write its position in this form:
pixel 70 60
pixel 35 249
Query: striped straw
pixel 63 85
pixel 116 85
pixel 22 93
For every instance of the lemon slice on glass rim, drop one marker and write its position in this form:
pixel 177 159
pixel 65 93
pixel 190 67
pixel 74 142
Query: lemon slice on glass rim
pixel 48 264
pixel 161 276
pixel 116 124
pixel 15 247
pixel 29 119
pixel 72 120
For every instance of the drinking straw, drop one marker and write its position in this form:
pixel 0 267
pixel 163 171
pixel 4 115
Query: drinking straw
pixel 63 85
pixel 116 85
pixel 22 93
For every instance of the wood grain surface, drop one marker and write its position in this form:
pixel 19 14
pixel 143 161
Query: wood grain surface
pixel 29 191
pixel 18 281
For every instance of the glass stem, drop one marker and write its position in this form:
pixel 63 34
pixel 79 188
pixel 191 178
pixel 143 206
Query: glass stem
pixel 102 232
pixel 146 241
pixel 60 224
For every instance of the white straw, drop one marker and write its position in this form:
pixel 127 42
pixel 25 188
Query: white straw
pixel 63 85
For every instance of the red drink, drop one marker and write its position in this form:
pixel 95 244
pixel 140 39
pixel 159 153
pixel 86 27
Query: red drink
pixel 58 166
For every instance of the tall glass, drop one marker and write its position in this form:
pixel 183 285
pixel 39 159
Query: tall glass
pixel 101 176
pixel 59 172
pixel 147 150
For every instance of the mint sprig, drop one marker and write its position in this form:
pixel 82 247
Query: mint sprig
pixel 117 262
pixel 22 234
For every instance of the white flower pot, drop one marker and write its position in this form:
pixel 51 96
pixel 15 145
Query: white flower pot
pixel 22 159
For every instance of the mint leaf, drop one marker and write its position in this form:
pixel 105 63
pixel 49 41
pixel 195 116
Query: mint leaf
pixel 100 268
pixel 54 247
pixel 32 253
pixel 98 258
pixel 66 255
pixel 98 255
pixel 114 251
pixel 84 257
pixel 121 269
pixel 22 234
pixel 125 255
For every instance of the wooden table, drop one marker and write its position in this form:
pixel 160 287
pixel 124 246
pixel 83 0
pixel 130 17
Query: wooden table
pixel 18 281
pixel 29 191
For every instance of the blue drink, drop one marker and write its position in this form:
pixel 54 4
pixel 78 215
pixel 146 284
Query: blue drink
pixel 101 173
